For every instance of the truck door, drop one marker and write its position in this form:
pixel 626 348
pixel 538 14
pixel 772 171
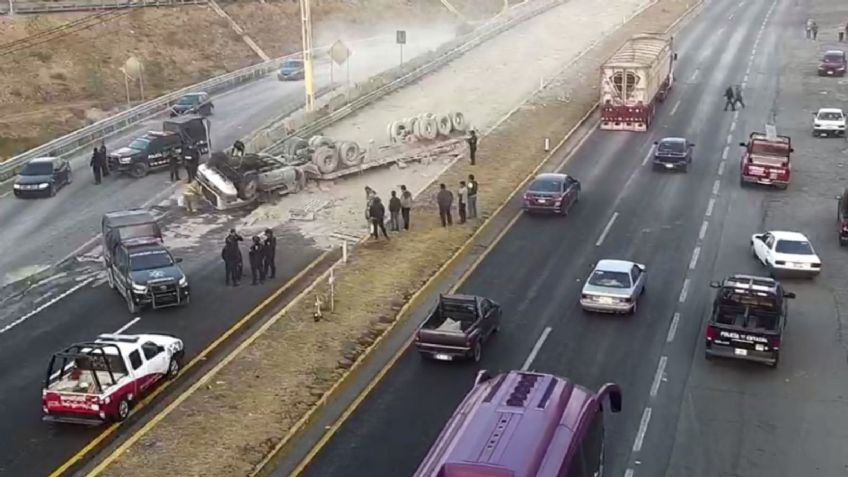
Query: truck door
pixel 155 365
pixel 135 368
pixel 487 320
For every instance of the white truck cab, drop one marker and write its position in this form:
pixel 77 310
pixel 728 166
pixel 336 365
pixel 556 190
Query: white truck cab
pixel 829 122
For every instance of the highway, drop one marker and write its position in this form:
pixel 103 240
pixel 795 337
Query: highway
pixel 46 231
pixel 682 415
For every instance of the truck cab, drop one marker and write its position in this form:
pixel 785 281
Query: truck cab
pixel 766 159
pixel 98 381
pixel 748 318
pixel 458 327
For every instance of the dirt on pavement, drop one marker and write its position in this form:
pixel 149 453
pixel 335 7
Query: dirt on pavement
pixel 245 409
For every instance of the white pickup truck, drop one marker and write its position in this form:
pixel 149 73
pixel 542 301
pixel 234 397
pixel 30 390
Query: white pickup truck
pixel 98 381
pixel 829 122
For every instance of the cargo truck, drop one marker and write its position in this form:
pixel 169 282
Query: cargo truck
pixel 634 80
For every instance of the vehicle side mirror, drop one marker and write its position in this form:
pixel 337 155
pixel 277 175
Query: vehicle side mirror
pixel 788 295
pixel 612 391
pixel 791 149
pixel 178 260
pixel 715 284
pixel 691 145
pixel 641 267
pixel 656 143
pixel 838 197
pixel 743 144
pixel 482 377
pixel 675 56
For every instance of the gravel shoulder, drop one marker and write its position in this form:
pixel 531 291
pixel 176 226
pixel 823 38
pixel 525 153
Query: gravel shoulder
pixel 245 409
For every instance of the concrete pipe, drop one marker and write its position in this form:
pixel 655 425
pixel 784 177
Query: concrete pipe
pixel 444 124
pixel 428 129
pixel 458 121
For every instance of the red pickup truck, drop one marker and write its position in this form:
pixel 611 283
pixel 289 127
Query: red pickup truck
pixel 765 160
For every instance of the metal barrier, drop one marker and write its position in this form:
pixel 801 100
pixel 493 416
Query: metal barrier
pixel 48 6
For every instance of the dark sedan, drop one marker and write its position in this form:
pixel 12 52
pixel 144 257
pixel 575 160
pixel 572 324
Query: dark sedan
pixel 673 153
pixel 193 103
pixel 555 193
pixel 833 63
pixel 42 177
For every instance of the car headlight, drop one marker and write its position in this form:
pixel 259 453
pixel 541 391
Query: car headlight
pixel 183 281
pixel 17 186
pixel 817 124
pixel 125 160
pixel 43 185
pixel 140 289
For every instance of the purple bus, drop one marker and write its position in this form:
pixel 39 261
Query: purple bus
pixel 522 424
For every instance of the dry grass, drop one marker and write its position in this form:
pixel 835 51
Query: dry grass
pixel 253 401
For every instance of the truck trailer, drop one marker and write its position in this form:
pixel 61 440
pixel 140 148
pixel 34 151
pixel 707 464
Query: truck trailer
pixel 637 77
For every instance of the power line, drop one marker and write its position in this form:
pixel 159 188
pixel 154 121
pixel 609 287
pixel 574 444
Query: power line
pixel 61 31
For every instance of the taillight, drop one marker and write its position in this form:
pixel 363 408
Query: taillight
pixel 711 333
pixel 774 342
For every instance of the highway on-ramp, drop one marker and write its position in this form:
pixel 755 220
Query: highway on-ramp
pixel 672 223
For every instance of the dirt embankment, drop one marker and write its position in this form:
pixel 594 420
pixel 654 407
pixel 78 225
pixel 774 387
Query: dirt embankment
pixel 57 86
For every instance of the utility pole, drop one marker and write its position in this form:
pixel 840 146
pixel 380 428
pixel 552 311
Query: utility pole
pixel 308 76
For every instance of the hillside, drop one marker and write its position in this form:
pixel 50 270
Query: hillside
pixel 58 86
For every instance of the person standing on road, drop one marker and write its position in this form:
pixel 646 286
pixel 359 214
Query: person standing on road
pixel 394 212
pixel 815 29
pixel 472 146
pixel 95 164
pixel 104 158
pixel 472 196
pixel 461 194
pixel 232 258
pixel 445 200
pixel 192 160
pixel 737 95
pixel 728 95
pixel 270 254
pixel 257 253
pixel 377 212
pixel 405 205
pixel 235 238
pixel 174 166
pixel 191 193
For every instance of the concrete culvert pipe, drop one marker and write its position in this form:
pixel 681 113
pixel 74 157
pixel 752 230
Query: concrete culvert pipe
pixel 396 129
pixel 428 129
pixel 445 125
pixel 458 121
pixel 326 158
pixel 349 154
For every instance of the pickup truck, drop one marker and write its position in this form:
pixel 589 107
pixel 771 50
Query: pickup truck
pixel 98 381
pixel 458 327
pixel 748 318
pixel 766 159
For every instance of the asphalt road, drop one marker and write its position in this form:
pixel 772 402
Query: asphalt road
pixel 47 230
pixel 658 221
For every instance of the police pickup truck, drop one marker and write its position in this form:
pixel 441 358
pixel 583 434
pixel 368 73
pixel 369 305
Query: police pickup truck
pixel 153 150
pixel 748 318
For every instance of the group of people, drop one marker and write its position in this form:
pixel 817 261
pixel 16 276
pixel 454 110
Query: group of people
pixel 811 28
pixel 466 205
pixel 99 163
pixel 191 161
pixel 261 255
pixel 733 95
pixel 399 209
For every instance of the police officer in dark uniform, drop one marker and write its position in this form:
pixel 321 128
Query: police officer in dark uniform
pixel 257 255
pixel 192 161
pixel 232 258
pixel 234 237
pixel 270 244
pixel 174 166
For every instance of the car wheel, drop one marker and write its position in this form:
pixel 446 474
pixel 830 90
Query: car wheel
pixel 742 182
pixel 122 411
pixel 633 308
pixel 708 356
pixel 52 190
pixel 70 179
pixel 132 307
pixel 774 363
pixel 173 368
pixel 138 170
pixel 685 168
pixel 110 278
pixel 477 352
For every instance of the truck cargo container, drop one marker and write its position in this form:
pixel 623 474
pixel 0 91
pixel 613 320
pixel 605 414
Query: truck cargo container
pixel 637 77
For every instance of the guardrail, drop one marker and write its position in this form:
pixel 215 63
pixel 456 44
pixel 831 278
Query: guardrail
pixel 419 68
pixel 48 6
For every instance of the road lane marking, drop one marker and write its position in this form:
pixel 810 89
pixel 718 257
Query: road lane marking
pixel 672 330
pixel 724 153
pixel 745 79
pixel 674 109
pixel 703 231
pixel 655 386
pixel 716 185
pixel 710 206
pixel 648 155
pixel 5 194
pixel 536 348
pixel 643 428
pixel 736 115
pixel 125 327
pixel 729 138
pixel 606 230
pixel 733 125
pixel 45 305
pixel 694 261
pixel 721 168
pixel 695 74
pixel 730 17
pixel 628 473
pixel 684 291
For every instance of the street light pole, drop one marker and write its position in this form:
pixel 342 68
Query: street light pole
pixel 308 76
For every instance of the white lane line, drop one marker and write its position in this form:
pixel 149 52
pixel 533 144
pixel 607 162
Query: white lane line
pixel 684 291
pixel 628 473
pixel 721 167
pixel 45 305
pixel 693 262
pixel 733 125
pixel 606 230
pixel 730 17
pixel 672 330
pixel 674 109
pixel 695 74
pixel 754 51
pixel 724 153
pixel 703 231
pixel 716 185
pixel 736 115
pixel 648 155
pixel 745 79
pixel 643 428
pixel 729 138
pixel 655 386
pixel 536 349
pixel 710 206
pixel 5 194
pixel 124 328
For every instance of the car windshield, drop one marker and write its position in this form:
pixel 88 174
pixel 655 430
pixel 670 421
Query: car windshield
pixel 830 116
pixel 546 185
pixel 770 148
pixel 604 278
pixel 150 260
pixel 188 100
pixel 292 64
pixel 676 147
pixel 793 247
pixel 833 58
pixel 38 169
pixel 139 144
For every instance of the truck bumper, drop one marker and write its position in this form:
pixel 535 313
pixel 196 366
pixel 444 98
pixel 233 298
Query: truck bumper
pixel 828 132
pixel 444 353
pixel 597 307
pixel 74 418
pixel 721 351
pixel 764 181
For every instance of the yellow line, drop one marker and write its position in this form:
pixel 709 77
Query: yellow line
pixel 203 354
pixel 331 431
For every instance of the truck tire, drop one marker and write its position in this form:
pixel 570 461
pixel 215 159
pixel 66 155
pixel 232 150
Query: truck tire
pixel 122 411
pixel 458 121
pixel 139 170
pixel 110 278
pixel 326 159
pixel 131 305
pixel 296 145
pixel 174 368
pixel 248 186
pixel 319 141
pixel 477 352
pixel 349 154
pixel 428 129
pixel 444 124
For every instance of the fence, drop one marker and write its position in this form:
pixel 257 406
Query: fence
pixel 49 6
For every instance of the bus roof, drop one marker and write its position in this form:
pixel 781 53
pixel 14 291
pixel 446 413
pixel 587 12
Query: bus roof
pixel 517 424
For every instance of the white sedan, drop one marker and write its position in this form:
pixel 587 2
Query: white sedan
pixel 787 253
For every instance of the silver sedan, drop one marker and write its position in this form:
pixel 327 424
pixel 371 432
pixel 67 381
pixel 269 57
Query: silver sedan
pixel 614 286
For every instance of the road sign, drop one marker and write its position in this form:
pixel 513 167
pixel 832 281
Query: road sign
pixel 401 37
pixel 339 52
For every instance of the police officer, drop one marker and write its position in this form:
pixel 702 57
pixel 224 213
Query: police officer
pixel 232 257
pixel 174 165
pixel 257 254
pixel 192 161
pixel 234 237
pixel 270 244
pixel 96 165
pixel 472 146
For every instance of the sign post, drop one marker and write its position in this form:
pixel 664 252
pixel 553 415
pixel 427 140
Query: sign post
pixel 339 54
pixel 332 289
pixel 400 39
